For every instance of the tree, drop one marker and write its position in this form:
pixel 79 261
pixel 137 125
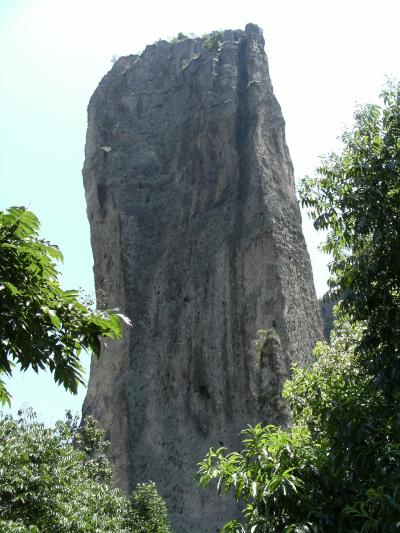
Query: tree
pixel 147 511
pixel 58 479
pixel 42 325
pixel 338 467
pixel 356 197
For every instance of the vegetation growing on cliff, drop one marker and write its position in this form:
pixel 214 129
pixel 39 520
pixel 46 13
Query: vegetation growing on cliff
pixel 338 467
pixel 42 326
pixel 213 40
pixel 59 479
pixel 180 37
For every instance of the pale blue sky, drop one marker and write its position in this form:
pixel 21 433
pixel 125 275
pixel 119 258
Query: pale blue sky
pixel 324 57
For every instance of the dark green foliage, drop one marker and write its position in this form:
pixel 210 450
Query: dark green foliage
pixel 342 453
pixel 180 37
pixel 356 197
pixel 58 479
pixel 213 40
pixel 42 326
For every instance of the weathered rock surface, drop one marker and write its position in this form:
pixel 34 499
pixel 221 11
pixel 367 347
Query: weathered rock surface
pixel 196 235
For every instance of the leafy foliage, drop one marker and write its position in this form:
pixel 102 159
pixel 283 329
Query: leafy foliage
pixel 52 485
pixel 342 453
pixel 147 511
pixel 263 475
pixel 335 462
pixel 42 326
pixel 356 197
pixel 213 40
pixel 58 479
pixel 179 37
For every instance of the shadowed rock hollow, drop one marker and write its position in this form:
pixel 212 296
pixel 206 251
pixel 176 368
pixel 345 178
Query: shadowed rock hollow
pixel 196 236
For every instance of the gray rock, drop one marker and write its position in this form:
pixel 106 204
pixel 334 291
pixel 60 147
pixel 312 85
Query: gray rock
pixel 196 236
pixel 327 316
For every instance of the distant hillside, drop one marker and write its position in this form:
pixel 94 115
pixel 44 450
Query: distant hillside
pixel 326 311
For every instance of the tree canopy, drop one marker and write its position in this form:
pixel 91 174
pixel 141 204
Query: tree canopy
pixel 337 468
pixel 59 479
pixel 356 197
pixel 42 325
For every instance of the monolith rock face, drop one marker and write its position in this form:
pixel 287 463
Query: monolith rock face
pixel 196 236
